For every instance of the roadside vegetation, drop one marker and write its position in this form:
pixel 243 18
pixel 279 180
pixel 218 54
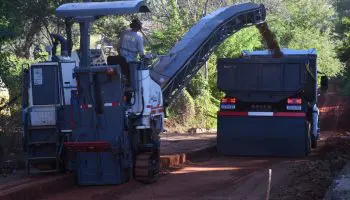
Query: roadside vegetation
pixel 298 24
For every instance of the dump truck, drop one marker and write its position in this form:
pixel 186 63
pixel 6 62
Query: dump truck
pixel 269 103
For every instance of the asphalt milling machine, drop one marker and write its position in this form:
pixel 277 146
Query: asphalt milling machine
pixel 78 114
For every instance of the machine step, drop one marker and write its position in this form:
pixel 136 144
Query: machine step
pixel 41 127
pixel 41 158
pixel 147 148
pixel 36 171
pixel 98 146
pixel 42 143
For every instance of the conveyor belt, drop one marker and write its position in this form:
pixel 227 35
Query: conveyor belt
pixel 174 70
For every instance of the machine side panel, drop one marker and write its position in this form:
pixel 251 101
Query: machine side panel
pixel 110 166
pixel 87 168
pixel 101 118
pixel 45 84
pixel 69 84
pixel 85 124
pixel 68 81
pixel 112 117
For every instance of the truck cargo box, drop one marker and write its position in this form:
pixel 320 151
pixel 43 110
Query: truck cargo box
pixel 266 79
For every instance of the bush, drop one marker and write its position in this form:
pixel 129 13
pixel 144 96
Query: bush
pixel 182 110
pixel 205 111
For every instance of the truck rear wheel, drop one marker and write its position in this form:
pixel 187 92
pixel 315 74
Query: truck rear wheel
pixel 308 145
pixel 313 141
pixel 308 140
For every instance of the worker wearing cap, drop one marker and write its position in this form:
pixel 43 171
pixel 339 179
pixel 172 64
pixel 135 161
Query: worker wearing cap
pixel 131 42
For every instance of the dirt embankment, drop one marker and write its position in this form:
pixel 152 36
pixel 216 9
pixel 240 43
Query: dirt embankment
pixel 310 179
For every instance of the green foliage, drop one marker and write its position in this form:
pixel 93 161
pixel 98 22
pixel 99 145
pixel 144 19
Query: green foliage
pixel 198 85
pixel 182 110
pixel 246 39
pixel 172 30
pixel 343 10
pixel 299 26
pixel 344 50
pixel 328 61
pixel 344 54
pixel 110 29
pixel 10 73
pixel 309 14
pixel 205 109
pixel 212 74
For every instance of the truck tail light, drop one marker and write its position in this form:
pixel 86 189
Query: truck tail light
pixel 228 100
pixel 294 101
pixel 228 103
pixel 294 104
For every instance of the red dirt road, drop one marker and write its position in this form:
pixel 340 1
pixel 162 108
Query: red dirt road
pixel 216 178
pixel 212 176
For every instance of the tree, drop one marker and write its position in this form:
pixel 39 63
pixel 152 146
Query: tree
pixel 344 50
pixel 299 26
pixel 110 29
pixel 344 53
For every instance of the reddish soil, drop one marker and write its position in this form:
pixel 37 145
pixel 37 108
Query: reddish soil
pixel 310 179
pixel 208 177
pixel 332 110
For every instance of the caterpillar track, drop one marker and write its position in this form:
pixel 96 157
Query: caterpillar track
pixel 146 167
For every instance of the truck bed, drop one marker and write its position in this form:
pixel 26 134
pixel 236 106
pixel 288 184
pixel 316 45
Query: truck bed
pixel 266 79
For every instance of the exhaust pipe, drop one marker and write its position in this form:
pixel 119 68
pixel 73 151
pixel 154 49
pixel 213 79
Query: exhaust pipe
pixel 63 42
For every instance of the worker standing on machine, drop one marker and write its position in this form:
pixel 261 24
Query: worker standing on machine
pixel 131 42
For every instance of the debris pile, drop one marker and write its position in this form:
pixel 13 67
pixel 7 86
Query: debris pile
pixel 311 178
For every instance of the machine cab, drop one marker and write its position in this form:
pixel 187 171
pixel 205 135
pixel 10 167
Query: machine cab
pixel 87 13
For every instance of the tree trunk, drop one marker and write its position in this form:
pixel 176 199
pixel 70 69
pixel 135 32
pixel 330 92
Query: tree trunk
pixel 69 24
pixel 205 8
pixel 23 51
pixel 206 72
